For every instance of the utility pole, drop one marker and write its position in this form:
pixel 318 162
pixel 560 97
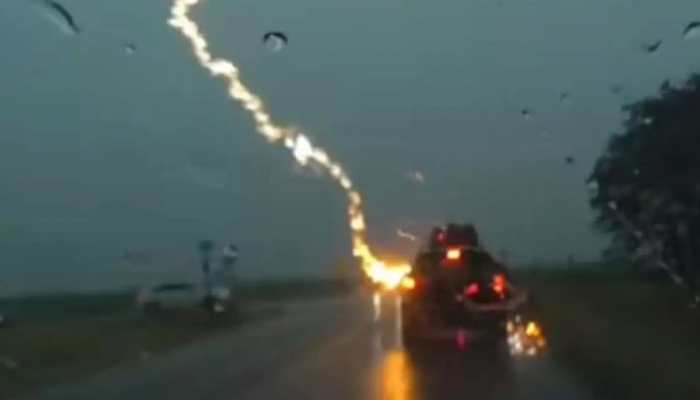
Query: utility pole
pixel 205 248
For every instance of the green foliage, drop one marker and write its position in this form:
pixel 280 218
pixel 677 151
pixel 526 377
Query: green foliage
pixel 647 183
pixel 625 338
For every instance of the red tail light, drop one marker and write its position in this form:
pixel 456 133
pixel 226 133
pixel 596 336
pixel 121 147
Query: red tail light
pixel 499 284
pixel 472 290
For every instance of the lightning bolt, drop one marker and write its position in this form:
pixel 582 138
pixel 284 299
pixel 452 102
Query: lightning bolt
pixel 304 151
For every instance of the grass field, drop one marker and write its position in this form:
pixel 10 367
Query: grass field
pixel 625 336
pixel 55 338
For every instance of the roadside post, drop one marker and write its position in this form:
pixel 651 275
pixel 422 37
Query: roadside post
pixel 229 256
pixel 205 248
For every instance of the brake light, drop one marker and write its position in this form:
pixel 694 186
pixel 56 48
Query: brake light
pixel 454 254
pixel 499 284
pixel 472 290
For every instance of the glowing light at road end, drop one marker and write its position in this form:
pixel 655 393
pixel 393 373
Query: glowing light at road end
pixel 525 339
pixel 304 151
pixel 408 283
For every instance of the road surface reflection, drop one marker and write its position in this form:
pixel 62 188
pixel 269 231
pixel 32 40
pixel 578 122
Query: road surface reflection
pixel 433 370
pixel 397 377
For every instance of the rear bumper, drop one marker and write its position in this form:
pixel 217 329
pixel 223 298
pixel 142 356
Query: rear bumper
pixel 461 336
pixel 450 325
pixel 512 304
pixel 478 321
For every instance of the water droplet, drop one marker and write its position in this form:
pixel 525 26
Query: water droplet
pixel 211 178
pixel 8 362
pixel 416 176
pixel 616 89
pixel 692 30
pixel 665 86
pixel 636 172
pixel 612 205
pixel 406 235
pixel 648 120
pixel 593 186
pixel 526 114
pixel 652 47
pixel 275 41
pixel 130 48
pixel 565 98
pixel 570 160
pixel 60 16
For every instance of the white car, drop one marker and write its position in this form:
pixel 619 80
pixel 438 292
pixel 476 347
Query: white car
pixel 181 295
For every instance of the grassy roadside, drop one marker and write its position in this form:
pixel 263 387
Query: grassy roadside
pixel 627 337
pixel 67 337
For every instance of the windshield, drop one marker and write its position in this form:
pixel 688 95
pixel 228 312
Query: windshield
pixel 287 163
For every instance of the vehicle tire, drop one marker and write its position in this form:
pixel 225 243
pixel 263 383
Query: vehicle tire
pixel 408 337
pixel 408 327
pixel 214 305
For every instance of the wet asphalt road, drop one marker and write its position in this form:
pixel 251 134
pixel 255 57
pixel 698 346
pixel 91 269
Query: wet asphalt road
pixel 335 349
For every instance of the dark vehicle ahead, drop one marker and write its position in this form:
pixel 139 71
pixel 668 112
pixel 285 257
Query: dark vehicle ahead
pixel 457 290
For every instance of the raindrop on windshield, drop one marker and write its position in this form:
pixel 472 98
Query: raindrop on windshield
pixel 565 98
pixel 8 362
pixel 130 48
pixel 526 114
pixel 665 86
pixel 593 186
pixel 275 41
pixel 570 160
pixel 416 176
pixel 60 15
pixel 692 30
pixel 653 46
pixel 647 121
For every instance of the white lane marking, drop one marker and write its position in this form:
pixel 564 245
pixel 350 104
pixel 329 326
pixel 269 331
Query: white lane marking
pixel 399 323
pixel 377 302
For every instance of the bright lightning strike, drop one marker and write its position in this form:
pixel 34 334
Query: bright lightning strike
pixel 304 152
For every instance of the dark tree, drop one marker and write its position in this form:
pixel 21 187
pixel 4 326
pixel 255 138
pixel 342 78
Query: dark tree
pixel 646 185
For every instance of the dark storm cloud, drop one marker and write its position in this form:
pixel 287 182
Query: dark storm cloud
pixel 420 87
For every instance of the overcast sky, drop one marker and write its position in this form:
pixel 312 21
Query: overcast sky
pixel 104 153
